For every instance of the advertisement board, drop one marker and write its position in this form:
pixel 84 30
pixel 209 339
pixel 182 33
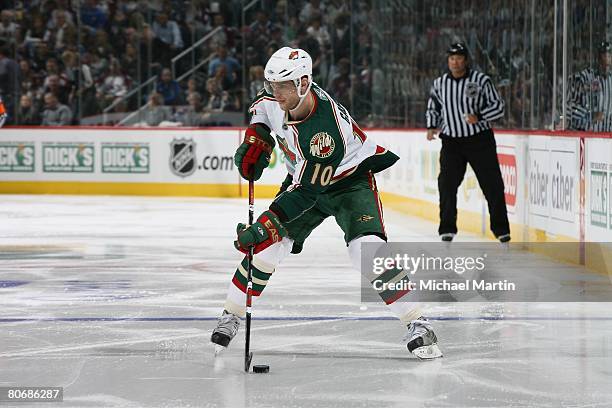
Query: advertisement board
pixel 598 186
pixel 553 185
pixel 127 155
pixel 541 172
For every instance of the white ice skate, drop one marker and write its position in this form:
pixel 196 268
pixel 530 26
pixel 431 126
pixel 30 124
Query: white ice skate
pixel 422 341
pixel 226 330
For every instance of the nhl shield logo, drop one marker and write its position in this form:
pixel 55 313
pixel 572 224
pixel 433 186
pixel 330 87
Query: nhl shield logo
pixel 322 145
pixel 182 157
pixel 472 90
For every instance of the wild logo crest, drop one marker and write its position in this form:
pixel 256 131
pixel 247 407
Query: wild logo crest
pixel 293 55
pixel 322 145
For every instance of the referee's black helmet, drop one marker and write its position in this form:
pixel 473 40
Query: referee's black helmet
pixel 457 49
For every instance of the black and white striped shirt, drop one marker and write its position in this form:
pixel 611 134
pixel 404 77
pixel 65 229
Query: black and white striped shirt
pixel 590 92
pixel 451 99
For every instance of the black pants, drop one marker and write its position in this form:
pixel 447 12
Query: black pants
pixel 480 152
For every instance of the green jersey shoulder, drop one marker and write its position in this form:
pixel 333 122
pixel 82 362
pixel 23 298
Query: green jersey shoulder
pixel 320 135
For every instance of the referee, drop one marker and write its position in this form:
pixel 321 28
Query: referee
pixel 462 102
pixel 590 95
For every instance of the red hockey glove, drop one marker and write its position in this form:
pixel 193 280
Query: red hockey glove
pixel 253 155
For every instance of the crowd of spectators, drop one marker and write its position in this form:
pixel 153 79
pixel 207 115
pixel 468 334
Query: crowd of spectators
pixel 63 61
pixel 513 42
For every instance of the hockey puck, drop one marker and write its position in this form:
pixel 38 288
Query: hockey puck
pixel 261 369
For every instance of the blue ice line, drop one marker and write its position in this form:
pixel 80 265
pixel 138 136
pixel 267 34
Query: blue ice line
pixel 294 318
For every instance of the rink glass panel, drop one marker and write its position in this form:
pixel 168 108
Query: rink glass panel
pixel 530 49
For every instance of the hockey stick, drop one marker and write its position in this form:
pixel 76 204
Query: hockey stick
pixel 248 356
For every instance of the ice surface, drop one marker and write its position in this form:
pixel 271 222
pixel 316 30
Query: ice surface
pixel 114 299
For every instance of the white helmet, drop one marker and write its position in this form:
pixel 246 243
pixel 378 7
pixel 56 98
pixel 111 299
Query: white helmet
pixel 288 64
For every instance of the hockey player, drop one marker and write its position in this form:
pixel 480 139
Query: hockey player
pixel 2 113
pixel 331 165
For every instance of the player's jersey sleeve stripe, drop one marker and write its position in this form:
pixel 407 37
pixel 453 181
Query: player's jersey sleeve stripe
pixel 343 175
pixel 360 133
pixel 296 140
pixel 301 173
pixel 374 188
pixel 263 98
pixel 333 108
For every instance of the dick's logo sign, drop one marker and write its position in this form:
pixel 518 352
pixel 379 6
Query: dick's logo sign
pixel 68 157
pixel 125 158
pixel 17 157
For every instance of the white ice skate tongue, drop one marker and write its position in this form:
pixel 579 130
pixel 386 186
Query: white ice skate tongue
pixel 427 352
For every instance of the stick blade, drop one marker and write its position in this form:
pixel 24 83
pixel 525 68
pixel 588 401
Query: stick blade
pixel 247 362
pixel 427 352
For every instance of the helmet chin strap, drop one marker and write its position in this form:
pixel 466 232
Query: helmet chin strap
pixel 302 97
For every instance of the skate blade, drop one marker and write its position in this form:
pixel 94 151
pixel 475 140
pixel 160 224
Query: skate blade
pixel 219 349
pixel 427 352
